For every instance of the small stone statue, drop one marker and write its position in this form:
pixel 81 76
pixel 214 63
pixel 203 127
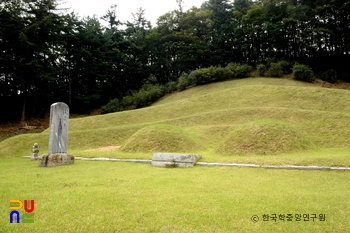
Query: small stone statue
pixel 35 151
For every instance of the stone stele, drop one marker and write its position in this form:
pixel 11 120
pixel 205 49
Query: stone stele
pixel 59 116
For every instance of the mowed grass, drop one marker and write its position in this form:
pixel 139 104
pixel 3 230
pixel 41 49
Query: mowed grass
pixel 127 197
pixel 255 120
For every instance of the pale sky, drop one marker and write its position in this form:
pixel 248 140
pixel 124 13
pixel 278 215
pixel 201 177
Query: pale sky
pixel 154 8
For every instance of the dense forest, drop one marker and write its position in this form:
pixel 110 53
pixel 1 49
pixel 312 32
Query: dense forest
pixel 49 54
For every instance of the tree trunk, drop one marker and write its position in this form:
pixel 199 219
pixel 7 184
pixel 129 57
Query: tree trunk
pixel 23 118
pixel 69 85
pixel 69 90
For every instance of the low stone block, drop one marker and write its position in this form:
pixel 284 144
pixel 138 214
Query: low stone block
pixel 174 159
pixel 52 160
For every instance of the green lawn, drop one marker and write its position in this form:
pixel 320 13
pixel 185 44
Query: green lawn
pixel 128 197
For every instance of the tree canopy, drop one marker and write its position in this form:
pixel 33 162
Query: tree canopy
pixel 49 55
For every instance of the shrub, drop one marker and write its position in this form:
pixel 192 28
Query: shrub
pixel 328 76
pixel 209 75
pixel 275 70
pixel 113 106
pixel 232 67
pixel 192 78
pixel 303 73
pixel 223 74
pixel 285 66
pixel 205 75
pixel 182 82
pixel 243 71
pixel 154 92
pixel 148 94
pixel 170 87
pixel 261 69
pixel 128 102
pixel 141 98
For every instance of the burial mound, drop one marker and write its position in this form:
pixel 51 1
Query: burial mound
pixel 162 138
pixel 264 138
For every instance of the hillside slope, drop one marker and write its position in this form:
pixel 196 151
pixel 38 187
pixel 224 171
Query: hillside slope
pixel 217 119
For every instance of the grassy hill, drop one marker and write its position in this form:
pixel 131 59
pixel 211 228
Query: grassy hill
pixel 256 120
pixel 259 120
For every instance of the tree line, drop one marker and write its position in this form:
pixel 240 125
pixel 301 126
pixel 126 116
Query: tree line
pixel 48 54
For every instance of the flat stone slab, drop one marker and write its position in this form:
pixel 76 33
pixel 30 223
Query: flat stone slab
pixel 52 160
pixel 115 160
pixel 160 159
pixel 293 167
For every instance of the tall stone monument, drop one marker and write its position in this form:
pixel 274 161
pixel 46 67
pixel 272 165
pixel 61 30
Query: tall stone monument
pixel 59 116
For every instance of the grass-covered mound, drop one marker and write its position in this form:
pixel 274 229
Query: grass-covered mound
pixel 200 119
pixel 264 138
pixel 162 138
pixel 22 144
